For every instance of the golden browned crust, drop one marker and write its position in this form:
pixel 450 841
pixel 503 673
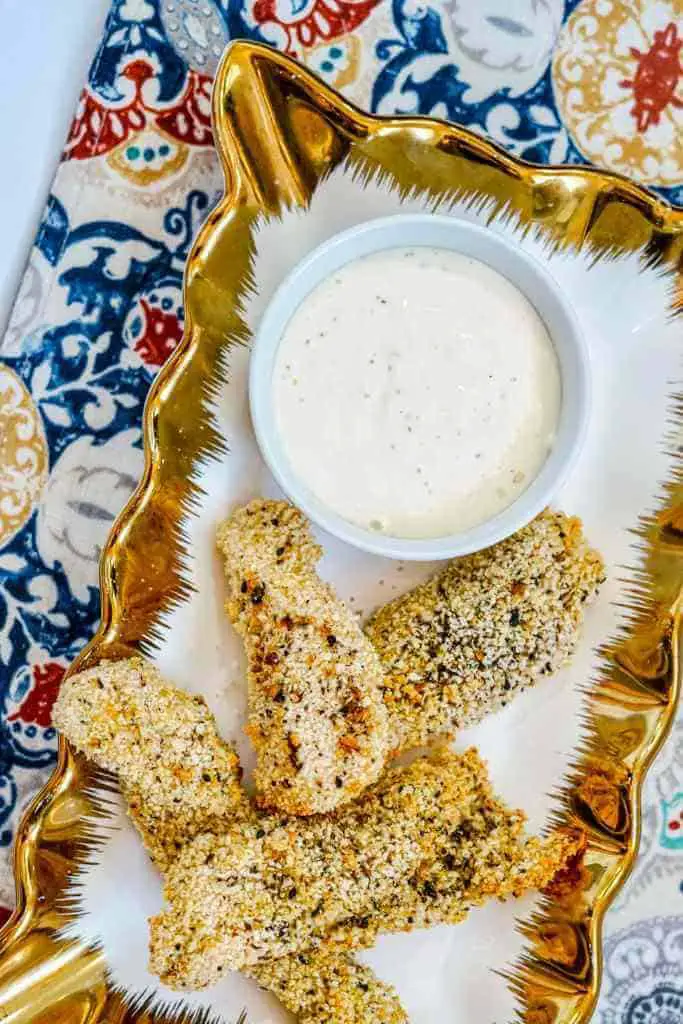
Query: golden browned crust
pixel 178 776
pixel 272 886
pixel 329 987
pixel 316 717
pixel 489 859
pixel 180 779
pixel 484 628
pixel 268 888
pixel 123 713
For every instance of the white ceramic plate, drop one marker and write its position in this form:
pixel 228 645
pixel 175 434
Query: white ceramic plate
pixel 446 974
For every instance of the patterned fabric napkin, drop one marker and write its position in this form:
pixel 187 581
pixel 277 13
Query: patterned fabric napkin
pixel 99 310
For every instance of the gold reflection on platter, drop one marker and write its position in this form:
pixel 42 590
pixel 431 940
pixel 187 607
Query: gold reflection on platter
pixel 278 128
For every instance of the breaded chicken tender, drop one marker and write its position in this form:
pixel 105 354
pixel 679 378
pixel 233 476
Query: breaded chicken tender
pixel 316 716
pixel 329 987
pixel 486 856
pixel 483 629
pixel 178 777
pixel 265 889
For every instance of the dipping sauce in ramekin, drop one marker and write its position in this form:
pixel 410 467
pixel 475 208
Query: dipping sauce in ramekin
pixel 417 392
pixel 419 386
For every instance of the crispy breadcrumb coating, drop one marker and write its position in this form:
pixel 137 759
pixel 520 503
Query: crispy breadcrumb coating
pixel 489 859
pixel 484 628
pixel 485 856
pixel 316 717
pixel 268 888
pixel 329 987
pixel 179 779
pixel 178 776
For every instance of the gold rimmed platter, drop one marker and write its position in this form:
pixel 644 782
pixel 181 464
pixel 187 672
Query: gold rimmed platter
pixel 279 131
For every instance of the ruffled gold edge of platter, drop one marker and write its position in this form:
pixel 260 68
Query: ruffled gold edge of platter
pixel 278 129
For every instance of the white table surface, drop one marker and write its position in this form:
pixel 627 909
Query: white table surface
pixel 45 51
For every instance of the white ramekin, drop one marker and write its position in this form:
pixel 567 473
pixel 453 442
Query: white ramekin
pixel 529 276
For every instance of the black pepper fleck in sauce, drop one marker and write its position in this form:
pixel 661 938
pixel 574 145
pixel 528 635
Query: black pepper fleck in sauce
pixel 398 396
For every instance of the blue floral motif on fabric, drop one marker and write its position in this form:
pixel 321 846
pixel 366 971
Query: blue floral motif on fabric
pixel 89 377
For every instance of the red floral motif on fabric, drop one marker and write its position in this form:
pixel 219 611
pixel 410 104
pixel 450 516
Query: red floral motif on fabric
pixel 99 127
pixel 314 21
pixel 161 333
pixel 190 120
pixel 36 708
pixel 656 79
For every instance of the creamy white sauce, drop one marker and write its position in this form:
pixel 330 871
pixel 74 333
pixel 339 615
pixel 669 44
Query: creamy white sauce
pixel 416 392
